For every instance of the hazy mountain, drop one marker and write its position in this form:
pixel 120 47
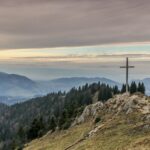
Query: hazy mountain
pixel 16 85
pixel 16 88
pixel 65 84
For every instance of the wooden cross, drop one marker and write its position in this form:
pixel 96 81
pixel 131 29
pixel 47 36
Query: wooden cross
pixel 127 73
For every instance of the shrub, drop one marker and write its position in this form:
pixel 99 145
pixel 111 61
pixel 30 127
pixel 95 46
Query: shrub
pixel 97 119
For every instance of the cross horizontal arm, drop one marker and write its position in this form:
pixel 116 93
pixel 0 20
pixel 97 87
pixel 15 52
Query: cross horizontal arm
pixel 123 67
pixel 131 66
pixel 126 67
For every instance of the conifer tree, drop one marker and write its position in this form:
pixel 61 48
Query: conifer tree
pixel 36 128
pixel 133 87
pixel 105 93
pixel 63 119
pixel 115 90
pixel 123 90
pixel 141 88
pixel 21 133
pixel 52 124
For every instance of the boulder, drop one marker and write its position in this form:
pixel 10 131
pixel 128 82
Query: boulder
pixel 89 111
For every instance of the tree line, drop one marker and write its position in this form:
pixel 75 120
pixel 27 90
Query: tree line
pixel 133 88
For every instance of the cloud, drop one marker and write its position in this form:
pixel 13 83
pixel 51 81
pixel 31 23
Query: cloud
pixel 85 56
pixel 62 23
pixel 78 60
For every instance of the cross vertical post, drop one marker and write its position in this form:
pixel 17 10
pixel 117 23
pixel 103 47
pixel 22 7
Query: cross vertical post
pixel 127 73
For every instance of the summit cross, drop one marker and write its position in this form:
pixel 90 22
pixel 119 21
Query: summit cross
pixel 127 73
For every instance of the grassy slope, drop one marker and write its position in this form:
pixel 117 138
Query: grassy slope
pixel 59 140
pixel 117 134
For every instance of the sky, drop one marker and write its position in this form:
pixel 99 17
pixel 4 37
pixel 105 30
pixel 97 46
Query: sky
pixel 47 39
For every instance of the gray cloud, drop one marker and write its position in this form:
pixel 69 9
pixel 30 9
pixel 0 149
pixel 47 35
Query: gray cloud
pixel 57 23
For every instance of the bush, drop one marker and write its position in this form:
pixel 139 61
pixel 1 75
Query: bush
pixel 97 119
pixel 66 125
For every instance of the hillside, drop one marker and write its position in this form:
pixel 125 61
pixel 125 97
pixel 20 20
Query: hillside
pixel 122 123
pixel 23 122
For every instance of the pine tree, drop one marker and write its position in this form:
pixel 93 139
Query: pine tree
pixel 21 133
pixel 52 124
pixel 63 119
pixel 105 93
pixel 115 90
pixel 133 88
pixel 33 131
pixel 123 90
pixel 36 129
pixel 141 88
pixel 93 88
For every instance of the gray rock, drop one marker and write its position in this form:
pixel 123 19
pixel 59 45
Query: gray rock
pixel 89 111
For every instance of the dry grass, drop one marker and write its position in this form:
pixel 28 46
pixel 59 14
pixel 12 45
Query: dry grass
pixel 60 140
pixel 116 134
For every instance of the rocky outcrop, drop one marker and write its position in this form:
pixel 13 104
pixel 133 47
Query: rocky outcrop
pixel 128 104
pixel 119 104
pixel 89 111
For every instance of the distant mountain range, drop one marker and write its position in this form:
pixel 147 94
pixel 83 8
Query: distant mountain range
pixel 16 88
pixel 16 85
pixel 65 84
